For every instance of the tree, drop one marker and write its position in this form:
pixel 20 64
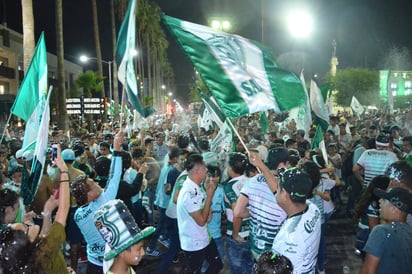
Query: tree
pixel 91 83
pixel 61 79
pixel 114 64
pixel 28 32
pixel 361 83
pixel 97 43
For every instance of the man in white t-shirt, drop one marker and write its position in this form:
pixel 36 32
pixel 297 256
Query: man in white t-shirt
pixel 299 236
pixel 374 162
pixel 193 211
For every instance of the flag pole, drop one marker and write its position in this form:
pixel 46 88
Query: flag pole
pixel 122 106
pixel 240 139
pixel 5 128
pixel 237 134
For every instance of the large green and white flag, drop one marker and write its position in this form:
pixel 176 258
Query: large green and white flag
pixel 34 85
pixel 356 106
pixel 319 142
pixel 318 106
pixel 302 114
pixel 241 74
pixel 30 186
pixel 124 57
pixel 30 99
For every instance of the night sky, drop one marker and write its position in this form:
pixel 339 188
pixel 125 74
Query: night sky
pixel 364 29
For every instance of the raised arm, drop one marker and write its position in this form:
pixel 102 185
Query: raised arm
pixel 271 180
pixel 64 190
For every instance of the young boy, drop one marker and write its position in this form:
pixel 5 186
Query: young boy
pixel 124 239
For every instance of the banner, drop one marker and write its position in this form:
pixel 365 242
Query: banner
pixel 241 74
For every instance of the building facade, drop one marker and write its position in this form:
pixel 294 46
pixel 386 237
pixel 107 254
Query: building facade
pixel 12 74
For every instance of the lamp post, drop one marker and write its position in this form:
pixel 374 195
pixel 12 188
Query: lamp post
pixel 300 25
pixel 220 24
pixel 85 58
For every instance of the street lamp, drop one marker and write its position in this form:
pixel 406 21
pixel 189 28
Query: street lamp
pixel 221 24
pixel 300 23
pixel 85 59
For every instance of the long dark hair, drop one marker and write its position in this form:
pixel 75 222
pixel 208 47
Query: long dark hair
pixel 7 198
pixel 273 263
pixel 16 253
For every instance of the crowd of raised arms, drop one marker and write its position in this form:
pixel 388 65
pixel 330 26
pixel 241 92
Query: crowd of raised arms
pixel 117 191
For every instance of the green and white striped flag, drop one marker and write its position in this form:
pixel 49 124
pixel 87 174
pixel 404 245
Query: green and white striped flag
pixel 210 113
pixel 124 47
pixel 29 102
pixel 318 106
pixel 302 114
pixel 29 187
pixel 319 142
pixel 241 74
pixel 34 85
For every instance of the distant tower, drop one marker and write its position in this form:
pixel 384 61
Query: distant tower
pixel 334 60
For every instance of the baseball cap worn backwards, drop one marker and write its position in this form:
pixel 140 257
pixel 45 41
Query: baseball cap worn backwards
pixel 399 197
pixel 297 183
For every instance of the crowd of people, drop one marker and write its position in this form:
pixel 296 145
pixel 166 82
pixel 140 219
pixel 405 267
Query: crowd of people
pixel 122 190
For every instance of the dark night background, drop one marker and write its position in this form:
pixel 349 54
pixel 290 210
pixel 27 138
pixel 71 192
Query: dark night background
pixel 363 29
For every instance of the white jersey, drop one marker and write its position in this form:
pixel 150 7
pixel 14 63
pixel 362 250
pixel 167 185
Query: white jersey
pixel 266 215
pixel 325 185
pixel 298 239
pixel 375 162
pixel 191 198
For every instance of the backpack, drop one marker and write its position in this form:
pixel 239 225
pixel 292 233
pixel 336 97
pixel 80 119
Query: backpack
pixel 347 166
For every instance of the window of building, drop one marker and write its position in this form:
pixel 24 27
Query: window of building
pixel 408 84
pixel 394 85
pixel 4 61
pixel 4 88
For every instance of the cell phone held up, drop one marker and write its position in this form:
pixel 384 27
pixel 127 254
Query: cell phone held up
pixel 54 151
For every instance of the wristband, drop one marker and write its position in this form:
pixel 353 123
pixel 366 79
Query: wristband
pixel 45 213
pixel 63 181
pixel 64 171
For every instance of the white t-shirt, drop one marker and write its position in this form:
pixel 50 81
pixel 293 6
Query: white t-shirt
pixel 325 185
pixel 298 239
pixel 375 162
pixel 191 199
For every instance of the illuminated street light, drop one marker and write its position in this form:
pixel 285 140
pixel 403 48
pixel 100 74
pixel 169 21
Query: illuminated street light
pixel 300 23
pixel 221 24
pixel 85 59
pixel 170 94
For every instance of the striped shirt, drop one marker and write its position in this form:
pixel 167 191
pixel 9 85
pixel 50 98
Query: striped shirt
pixel 375 162
pixel 266 216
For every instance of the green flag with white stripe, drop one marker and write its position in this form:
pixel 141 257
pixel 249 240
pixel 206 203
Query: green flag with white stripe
pixel 124 47
pixel 241 74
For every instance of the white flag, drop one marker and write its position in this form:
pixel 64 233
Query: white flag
pixel 356 106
